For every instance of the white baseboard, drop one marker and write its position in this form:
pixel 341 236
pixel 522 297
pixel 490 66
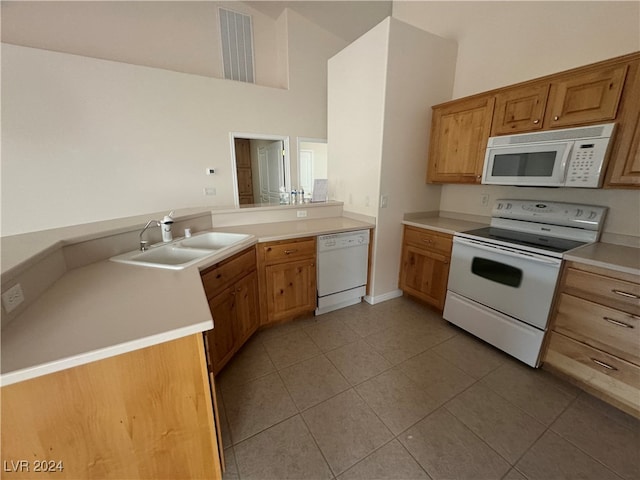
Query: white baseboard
pixel 382 298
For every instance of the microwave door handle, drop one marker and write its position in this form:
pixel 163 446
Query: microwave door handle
pixel 565 161
pixel 506 251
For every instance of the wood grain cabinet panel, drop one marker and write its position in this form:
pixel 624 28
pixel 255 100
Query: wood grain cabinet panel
pixel 424 270
pixel 459 134
pixel 519 109
pixel 585 98
pixel 142 414
pixel 287 279
pixel 232 289
pixel 594 336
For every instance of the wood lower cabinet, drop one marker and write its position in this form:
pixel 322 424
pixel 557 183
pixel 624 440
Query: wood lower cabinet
pixel 595 333
pixel 424 269
pixel 287 279
pixel 459 134
pixel 231 287
pixel 143 414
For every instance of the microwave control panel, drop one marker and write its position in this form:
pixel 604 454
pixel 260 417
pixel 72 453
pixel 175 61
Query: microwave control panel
pixel 585 163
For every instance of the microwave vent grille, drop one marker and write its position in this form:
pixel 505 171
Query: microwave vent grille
pixel 594 131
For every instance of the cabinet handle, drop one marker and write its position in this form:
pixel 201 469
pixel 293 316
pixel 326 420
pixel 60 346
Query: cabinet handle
pixel 289 252
pixel 602 364
pixel 625 294
pixel 427 240
pixel 536 121
pixel 617 322
pixel 556 118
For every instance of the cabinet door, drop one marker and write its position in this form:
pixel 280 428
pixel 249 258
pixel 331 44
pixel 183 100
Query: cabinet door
pixel 291 289
pixel 459 134
pixel 589 97
pixel 221 339
pixel 247 317
pixel 424 274
pixel 520 109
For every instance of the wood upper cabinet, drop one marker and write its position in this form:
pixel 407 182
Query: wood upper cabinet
pixel 589 97
pixel 520 109
pixel 624 163
pixel 287 278
pixel 232 291
pixel 459 134
pixel 424 270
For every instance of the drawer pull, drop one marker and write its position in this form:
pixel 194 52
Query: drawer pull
pixel 602 364
pixel 625 294
pixel 427 240
pixel 618 322
pixel 289 252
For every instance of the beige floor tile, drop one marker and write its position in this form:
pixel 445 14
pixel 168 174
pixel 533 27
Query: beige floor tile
pixel 313 381
pixel 441 379
pixel 589 426
pixel 331 333
pixel 369 322
pixel 391 462
pixel 253 406
pixel 533 390
pixel 554 458
pixel 284 451
pixel 447 449
pixel 346 430
pixel 396 399
pixel 506 428
pixel 294 347
pixel 397 345
pixel 231 469
pixel 251 362
pixel 471 354
pixel 514 475
pixel 358 361
pixel 278 330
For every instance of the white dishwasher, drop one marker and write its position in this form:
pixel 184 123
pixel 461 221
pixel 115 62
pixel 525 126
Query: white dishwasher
pixel 343 260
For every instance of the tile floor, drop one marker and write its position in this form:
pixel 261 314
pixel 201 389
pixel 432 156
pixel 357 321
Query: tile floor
pixel 392 391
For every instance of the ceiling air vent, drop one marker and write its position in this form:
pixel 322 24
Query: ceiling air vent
pixel 237 45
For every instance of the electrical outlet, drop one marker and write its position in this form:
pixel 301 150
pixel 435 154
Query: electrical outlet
pixel 12 297
pixel 301 213
pixel 209 191
pixel 384 201
pixel 484 199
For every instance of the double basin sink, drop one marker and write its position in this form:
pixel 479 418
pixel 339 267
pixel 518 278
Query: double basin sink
pixel 185 252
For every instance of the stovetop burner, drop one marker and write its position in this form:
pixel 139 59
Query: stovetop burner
pixel 550 244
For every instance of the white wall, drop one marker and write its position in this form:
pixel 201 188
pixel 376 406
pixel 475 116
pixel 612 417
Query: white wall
pixel 501 43
pixel 380 88
pixel 356 96
pixel 86 139
pixel 183 36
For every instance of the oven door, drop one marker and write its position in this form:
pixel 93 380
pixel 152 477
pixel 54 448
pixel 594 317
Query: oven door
pixel 518 284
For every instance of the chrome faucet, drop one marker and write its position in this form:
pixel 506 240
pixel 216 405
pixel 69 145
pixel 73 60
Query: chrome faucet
pixel 144 243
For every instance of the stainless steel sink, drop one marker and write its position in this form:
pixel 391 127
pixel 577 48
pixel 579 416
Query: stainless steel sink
pixel 183 253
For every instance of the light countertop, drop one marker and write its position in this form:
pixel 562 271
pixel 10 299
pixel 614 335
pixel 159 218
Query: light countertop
pixel 443 224
pixel 107 308
pixel 607 255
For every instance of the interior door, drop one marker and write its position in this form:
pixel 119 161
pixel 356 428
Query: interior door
pixel 271 160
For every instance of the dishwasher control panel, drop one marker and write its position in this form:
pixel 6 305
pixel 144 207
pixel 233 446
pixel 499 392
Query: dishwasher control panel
pixel 343 240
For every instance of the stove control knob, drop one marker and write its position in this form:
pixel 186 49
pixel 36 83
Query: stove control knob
pixel 508 206
pixel 579 212
pixel 592 215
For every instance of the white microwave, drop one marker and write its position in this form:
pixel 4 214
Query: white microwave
pixel 571 157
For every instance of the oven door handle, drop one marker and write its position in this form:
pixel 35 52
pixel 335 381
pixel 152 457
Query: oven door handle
pixel 501 250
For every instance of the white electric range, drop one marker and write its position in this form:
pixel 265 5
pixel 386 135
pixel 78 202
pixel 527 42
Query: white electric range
pixel 503 277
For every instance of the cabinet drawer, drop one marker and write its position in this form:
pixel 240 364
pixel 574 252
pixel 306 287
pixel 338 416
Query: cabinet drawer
pixel 276 252
pixel 605 373
pixel 428 239
pixel 218 277
pixel 601 327
pixel 612 292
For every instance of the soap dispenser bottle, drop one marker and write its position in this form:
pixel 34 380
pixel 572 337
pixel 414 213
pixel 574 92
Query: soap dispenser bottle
pixel 165 226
